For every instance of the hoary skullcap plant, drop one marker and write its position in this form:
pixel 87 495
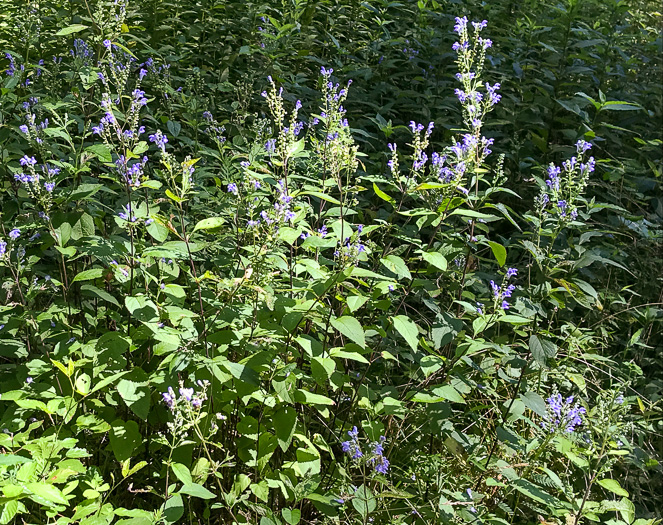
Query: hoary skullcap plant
pixel 311 263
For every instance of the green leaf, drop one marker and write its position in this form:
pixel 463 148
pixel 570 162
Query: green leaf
pixel 124 438
pixel 197 491
pixel 8 511
pixel 449 393
pixel 83 192
pixel 364 501
pixel 292 517
pixel 535 492
pixel 242 373
pixel 101 151
pixel 174 127
pixel 285 423
pixel 406 327
pixel 157 230
pixel 173 509
pixel 499 252
pixel 613 486
pixel 514 319
pixel 83 384
pixel 211 223
pixel 11 459
pixel 309 398
pixel 182 472
pixel 356 301
pixel 142 308
pixel 89 275
pixel 542 350
pixel 173 197
pixel 383 195
pixel 396 265
pixel 135 392
pixel 615 105
pixel 534 402
pixel 74 28
pixel 435 259
pixel 88 289
pixel 48 492
pixel 322 369
pixel 472 214
pixel 350 328
pixel 344 354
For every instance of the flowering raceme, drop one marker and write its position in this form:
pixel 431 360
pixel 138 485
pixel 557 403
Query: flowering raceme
pixel 562 414
pixel 501 292
pixel 469 151
pixel 564 185
pixel 352 446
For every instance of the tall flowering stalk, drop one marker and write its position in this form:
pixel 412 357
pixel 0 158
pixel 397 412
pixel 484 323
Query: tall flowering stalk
pixel 564 186
pixel 286 144
pixel 450 169
pixel 333 141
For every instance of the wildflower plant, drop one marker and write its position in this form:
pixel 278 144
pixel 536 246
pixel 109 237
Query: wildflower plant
pixel 229 308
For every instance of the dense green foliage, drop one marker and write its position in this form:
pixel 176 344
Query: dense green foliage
pixel 241 283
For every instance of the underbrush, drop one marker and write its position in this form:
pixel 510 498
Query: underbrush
pixel 228 306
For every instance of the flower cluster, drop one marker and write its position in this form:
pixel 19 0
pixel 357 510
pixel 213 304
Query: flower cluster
pixel 81 52
pixel 186 396
pixel 262 31
pixel 352 446
pixel 376 459
pixel 109 128
pixel 31 129
pixel 502 292
pixel 284 144
pixel 471 57
pixel 562 414
pixel 349 251
pixel 421 136
pixel 11 68
pixel 131 172
pixel 186 407
pixel 214 129
pixel 160 140
pixel 281 212
pixel 14 234
pixel 469 151
pixel 180 174
pixel 127 214
pixel 564 185
pixel 320 232
pixel 335 144
pixel 379 462
pixel 39 184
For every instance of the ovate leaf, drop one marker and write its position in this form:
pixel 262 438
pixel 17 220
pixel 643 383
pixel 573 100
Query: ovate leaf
pixel 395 264
pixel 350 328
pixel 406 327
pixel 613 486
pixel 74 28
pixel 285 423
pixel 197 491
pixel 435 259
pixel 499 252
